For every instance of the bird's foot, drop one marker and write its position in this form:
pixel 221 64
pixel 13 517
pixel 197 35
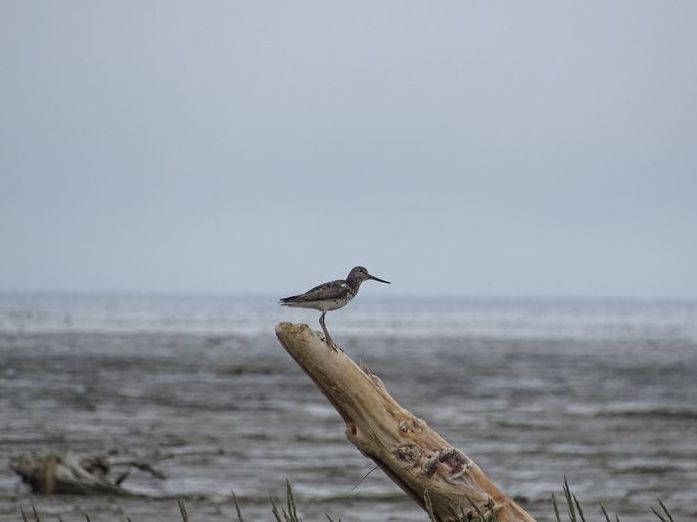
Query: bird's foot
pixel 333 345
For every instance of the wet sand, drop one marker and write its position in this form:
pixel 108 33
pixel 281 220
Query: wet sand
pixel 226 409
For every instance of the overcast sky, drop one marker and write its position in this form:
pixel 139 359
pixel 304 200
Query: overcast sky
pixel 480 149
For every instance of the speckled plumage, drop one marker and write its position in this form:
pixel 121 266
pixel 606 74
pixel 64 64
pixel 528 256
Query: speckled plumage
pixel 331 296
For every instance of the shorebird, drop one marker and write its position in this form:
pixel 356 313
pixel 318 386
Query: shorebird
pixel 331 296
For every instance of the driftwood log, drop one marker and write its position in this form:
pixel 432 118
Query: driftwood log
pixel 440 478
pixel 73 474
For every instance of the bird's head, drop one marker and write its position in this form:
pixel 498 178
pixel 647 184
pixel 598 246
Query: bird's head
pixel 358 274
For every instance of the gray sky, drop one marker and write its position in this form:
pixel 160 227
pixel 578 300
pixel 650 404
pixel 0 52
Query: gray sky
pixel 490 148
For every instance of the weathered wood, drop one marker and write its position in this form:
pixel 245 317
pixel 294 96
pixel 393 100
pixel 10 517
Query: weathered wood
pixel 69 473
pixel 65 473
pixel 412 454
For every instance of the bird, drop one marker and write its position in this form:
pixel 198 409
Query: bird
pixel 331 296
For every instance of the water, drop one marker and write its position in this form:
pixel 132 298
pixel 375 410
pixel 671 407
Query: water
pixel 603 392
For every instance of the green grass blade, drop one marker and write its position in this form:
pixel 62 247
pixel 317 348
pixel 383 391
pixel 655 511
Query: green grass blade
pixel 578 507
pixel 665 510
pixel 182 509
pixel 569 501
pixel 237 506
pixel 659 515
pixel 290 501
pixel 556 508
pixel 274 510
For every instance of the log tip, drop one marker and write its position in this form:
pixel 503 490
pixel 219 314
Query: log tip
pixel 283 326
pixel 286 329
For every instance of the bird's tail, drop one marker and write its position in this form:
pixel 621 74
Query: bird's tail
pixel 287 301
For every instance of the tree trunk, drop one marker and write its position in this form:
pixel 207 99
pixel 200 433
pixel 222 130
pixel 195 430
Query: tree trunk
pixel 438 477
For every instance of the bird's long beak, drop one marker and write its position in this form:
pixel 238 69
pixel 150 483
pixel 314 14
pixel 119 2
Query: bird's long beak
pixel 378 279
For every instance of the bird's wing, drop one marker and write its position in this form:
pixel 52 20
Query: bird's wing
pixel 330 290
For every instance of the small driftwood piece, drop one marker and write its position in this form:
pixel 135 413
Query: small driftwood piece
pixel 73 474
pixel 438 477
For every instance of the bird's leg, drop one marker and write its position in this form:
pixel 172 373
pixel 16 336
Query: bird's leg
pixel 328 337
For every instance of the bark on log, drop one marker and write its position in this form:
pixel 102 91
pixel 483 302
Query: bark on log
pixel 412 454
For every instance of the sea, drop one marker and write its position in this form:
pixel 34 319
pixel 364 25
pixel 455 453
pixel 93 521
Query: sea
pixel 600 391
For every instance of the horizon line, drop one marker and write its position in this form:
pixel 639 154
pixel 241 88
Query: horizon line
pixel 190 294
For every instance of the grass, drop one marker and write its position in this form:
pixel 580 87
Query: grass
pixel 288 511
pixel 284 516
